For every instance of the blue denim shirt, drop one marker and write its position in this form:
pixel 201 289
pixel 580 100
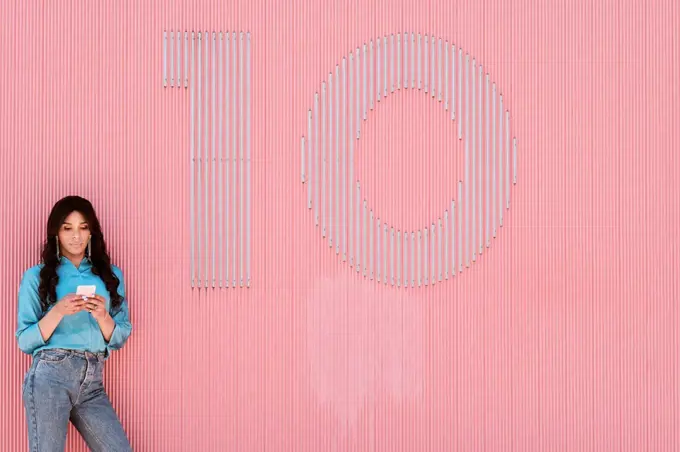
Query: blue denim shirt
pixel 78 331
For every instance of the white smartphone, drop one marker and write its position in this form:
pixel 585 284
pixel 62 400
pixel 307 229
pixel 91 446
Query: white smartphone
pixel 86 291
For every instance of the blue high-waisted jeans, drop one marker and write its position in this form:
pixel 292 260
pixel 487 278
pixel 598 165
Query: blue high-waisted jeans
pixel 66 385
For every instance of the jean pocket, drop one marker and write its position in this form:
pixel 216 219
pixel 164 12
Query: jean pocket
pixel 27 376
pixel 53 356
pixel 23 383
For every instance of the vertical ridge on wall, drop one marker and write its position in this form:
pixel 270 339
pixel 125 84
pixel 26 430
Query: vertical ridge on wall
pixel 210 170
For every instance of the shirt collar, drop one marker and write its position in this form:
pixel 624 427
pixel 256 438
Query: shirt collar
pixel 85 264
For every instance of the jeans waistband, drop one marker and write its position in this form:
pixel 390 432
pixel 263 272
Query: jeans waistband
pixel 81 353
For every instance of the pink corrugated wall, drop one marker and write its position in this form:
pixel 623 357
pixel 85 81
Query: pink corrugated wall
pixel 562 336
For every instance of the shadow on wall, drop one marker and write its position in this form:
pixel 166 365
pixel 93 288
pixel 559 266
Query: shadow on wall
pixel 362 339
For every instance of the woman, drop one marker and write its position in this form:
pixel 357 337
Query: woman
pixel 69 335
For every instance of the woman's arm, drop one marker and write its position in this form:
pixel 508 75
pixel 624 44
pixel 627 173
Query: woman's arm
pixel 34 327
pixel 122 327
pixel 29 313
pixel 106 325
pixel 49 323
pixel 117 328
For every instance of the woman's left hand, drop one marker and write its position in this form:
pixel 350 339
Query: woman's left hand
pixel 96 305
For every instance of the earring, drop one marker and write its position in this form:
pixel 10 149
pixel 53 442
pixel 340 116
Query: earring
pixel 58 253
pixel 89 248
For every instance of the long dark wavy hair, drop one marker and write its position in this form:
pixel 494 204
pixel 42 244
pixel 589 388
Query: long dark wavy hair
pixel 99 257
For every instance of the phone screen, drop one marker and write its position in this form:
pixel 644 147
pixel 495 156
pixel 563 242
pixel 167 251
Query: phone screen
pixel 87 291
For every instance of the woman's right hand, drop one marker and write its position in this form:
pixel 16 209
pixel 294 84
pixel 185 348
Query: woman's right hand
pixel 70 304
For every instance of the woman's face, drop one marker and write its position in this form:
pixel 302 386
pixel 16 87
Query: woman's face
pixel 74 235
